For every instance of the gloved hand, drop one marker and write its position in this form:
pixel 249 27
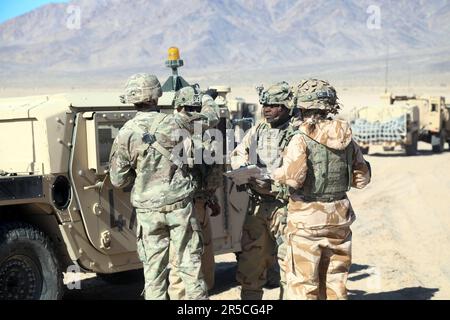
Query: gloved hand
pixel 263 184
pixel 213 204
pixel 264 174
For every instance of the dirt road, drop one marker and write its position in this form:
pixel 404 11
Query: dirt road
pixel 401 237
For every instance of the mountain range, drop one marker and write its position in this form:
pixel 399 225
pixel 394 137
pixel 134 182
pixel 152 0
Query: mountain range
pixel 86 41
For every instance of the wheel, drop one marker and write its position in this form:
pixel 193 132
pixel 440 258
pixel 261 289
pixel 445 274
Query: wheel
pixel 124 277
pixel 29 268
pixel 411 149
pixel 364 150
pixel 437 142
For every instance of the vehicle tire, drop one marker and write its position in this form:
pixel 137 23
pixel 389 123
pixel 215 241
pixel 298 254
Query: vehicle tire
pixel 124 277
pixel 411 149
pixel 29 268
pixel 439 141
pixel 364 150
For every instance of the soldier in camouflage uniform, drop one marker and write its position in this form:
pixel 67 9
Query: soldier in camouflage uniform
pixel 320 164
pixel 264 223
pixel 207 178
pixel 163 187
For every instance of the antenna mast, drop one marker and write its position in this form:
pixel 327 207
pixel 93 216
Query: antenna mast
pixel 386 76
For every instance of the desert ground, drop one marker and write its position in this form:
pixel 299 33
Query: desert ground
pixel 401 237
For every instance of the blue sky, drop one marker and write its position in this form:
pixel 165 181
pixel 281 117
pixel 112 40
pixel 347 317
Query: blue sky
pixel 13 8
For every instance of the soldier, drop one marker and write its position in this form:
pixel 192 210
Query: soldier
pixel 163 189
pixel 263 226
pixel 321 163
pixel 207 178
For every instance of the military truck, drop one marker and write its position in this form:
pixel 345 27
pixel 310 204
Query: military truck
pixel 58 209
pixel 402 121
pixel 434 120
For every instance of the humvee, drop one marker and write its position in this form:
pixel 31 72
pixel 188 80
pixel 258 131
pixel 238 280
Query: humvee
pixel 58 209
pixel 402 120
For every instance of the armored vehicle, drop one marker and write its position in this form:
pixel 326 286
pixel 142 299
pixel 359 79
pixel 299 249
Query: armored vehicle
pixel 402 120
pixel 58 209
pixel 434 122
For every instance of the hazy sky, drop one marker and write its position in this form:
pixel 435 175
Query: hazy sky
pixel 13 8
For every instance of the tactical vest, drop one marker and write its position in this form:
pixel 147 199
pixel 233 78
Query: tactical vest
pixel 277 143
pixel 280 142
pixel 329 174
pixel 207 175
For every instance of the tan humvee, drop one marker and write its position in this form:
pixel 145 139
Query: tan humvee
pixel 55 153
pixel 434 120
pixel 424 118
pixel 57 206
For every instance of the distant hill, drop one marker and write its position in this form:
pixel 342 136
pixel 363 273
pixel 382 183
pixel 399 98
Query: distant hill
pixel 239 40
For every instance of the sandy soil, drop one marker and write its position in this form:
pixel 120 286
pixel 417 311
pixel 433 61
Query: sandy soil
pixel 400 238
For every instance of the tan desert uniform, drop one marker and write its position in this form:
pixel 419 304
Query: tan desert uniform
pixel 264 224
pixel 319 235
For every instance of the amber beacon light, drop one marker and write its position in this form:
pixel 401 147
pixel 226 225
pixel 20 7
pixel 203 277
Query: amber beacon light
pixel 174 54
pixel 174 62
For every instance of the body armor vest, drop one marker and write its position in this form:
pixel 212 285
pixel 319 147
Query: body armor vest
pixel 329 174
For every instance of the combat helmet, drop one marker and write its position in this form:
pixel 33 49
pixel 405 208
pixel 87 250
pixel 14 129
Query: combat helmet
pixel 140 88
pixel 277 94
pixel 316 94
pixel 188 96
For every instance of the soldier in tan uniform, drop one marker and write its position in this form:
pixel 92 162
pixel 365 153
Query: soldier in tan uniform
pixel 262 237
pixel 320 165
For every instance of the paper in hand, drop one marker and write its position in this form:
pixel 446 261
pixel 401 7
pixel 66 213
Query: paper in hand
pixel 242 175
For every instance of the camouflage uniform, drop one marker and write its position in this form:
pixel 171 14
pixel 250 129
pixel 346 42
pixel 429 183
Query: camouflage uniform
pixel 176 287
pixel 162 190
pixel 207 179
pixel 318 222
pixel 263 231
